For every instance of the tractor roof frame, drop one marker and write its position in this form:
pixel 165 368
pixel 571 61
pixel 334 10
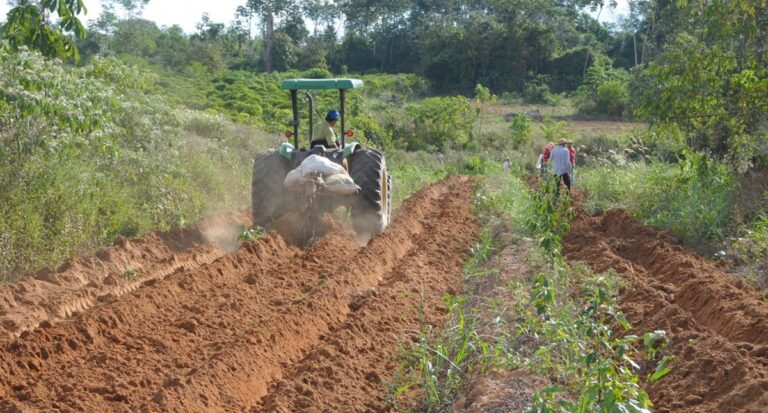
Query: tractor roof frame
pixel 321 84
pixel 342 85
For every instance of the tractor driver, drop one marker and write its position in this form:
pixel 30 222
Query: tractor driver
pixel 323 133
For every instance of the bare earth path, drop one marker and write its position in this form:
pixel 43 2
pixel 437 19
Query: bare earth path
pixel 268 327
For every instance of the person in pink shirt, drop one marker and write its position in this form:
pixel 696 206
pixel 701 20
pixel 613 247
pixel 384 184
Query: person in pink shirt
pixel 544 158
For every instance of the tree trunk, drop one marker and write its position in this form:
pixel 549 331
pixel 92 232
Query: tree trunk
pixel 586 59
pixel 634 45
pixel 269 23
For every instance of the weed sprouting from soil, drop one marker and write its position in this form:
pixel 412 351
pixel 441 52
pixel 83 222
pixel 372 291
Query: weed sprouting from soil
pixel 251 234
pixel 129 273
pixel 575 327
pixel 441 362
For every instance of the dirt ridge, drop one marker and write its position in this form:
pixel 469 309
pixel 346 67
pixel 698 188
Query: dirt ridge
pixel 718 326
pixel 54 294
pixel 214 338
pixel 349 369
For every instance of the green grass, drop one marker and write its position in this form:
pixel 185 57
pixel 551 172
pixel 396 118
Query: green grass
pixel 412 171
pixel 692 199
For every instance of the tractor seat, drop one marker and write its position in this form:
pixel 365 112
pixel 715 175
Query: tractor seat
pixel 320 145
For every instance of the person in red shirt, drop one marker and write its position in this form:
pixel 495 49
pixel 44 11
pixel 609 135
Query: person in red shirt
pixel 572 152
pixel 544 157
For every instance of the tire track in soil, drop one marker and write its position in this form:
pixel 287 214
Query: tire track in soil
pixel 214 338
pixel 718 327
pixel 54 294
pixel 348 371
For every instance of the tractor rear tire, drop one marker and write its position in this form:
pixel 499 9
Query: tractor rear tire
pixel 372 206
pixel 268 196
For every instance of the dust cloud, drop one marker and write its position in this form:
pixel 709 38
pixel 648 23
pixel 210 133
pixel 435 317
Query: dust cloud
pixel 223 234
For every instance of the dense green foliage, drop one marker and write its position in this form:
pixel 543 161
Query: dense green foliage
pixel 86 155
pixel 28 24
pixel 454 44
pixel 605 90
pixel 711 77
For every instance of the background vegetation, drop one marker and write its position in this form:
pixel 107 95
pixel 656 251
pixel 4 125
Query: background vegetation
pixel 123 127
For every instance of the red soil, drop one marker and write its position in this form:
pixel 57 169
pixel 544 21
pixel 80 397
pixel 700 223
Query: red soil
pixel 267 328
pixel 718 326
pixel 78 284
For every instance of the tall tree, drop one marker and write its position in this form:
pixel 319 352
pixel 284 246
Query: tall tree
pixel 269 10
pixel 711 80
pixel 133 8
pixel 29 24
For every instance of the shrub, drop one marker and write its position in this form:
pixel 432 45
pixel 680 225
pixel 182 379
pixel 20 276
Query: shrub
pixel 612 98
pixel 521 130
pixel 692 199
pixel 605 90
pixel 537 92
pixel 317 73
pixel 439 123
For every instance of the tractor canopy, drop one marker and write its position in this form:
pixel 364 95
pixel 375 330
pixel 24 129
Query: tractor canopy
pixel 321 84
pixel 342 85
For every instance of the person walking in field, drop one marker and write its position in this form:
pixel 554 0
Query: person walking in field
pixel 323 133
pixel 560 158
pixel 543 161
pixel 506 164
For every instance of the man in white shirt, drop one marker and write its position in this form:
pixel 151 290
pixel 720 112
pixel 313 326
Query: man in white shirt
pixel 560 160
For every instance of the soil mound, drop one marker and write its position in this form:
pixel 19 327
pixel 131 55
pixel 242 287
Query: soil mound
pixel 269 327
pixel 718 326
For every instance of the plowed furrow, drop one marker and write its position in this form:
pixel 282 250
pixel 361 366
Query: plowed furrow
pixel 213 338
pixel 54 294
pixel 121 352
pixel 349 370
pixel 717 328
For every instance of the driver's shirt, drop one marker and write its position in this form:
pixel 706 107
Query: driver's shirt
pixel 324 131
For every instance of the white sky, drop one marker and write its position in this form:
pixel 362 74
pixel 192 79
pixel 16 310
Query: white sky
pixel 612 15
pixel 187 13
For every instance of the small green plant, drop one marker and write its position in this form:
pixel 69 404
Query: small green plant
pixel 553 131
pixel 129 273
pixel 441 363
pixel 475 165
pixel 572 320
pixel 251 234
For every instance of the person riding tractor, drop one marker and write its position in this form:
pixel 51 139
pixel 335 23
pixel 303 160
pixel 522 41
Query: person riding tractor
pixel 324 134
pixel 274 188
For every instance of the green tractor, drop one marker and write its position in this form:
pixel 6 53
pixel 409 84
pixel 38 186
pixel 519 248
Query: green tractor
pixel 369 206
